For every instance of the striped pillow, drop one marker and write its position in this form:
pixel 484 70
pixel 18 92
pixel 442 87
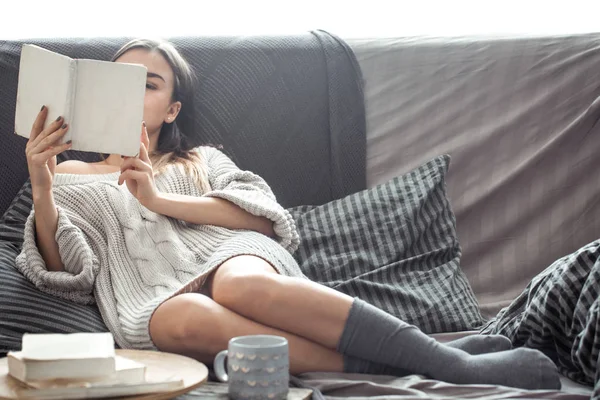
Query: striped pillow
pixel 395 246
pixel 23 308
pixel 559 313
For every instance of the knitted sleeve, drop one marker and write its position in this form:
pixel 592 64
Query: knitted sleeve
pixel 76 283
pixel 250 192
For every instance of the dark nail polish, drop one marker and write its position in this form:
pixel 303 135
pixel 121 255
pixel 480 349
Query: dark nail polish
pixel 59 117
pixel 69 142
pixel 63 126
pixel 144 123
pixel 43 107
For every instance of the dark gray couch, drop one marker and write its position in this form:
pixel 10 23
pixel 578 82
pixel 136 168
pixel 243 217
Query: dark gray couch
pixel 494 104
pixel 268 101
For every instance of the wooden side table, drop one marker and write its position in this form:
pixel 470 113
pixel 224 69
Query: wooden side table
pixel 158 365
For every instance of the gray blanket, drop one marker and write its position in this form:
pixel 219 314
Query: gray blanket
pixel 289 108
pixel 559 313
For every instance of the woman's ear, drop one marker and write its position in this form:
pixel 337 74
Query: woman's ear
pixel 172 112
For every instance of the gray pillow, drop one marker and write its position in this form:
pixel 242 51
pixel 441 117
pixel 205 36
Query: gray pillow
pixel 559 313
pixel 23 308
pixel 395 246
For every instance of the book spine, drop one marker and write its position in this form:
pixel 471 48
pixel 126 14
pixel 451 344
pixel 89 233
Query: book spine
pixel 71 101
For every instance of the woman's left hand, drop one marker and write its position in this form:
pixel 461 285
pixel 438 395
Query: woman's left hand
pixel 137 173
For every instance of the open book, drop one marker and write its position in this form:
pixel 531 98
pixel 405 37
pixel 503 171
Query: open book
pixel 103 102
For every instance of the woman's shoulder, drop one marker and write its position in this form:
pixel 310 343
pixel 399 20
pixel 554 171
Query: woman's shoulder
pixel 205 150
pixel 212 153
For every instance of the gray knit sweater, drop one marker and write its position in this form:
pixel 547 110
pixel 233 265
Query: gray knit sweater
pixel 129 260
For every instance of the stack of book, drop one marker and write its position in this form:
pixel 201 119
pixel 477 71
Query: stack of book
pixel 80 365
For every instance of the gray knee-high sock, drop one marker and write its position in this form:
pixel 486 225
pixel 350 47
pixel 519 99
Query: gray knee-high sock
pixel 373 335
pixel 481 344
pixel 475 344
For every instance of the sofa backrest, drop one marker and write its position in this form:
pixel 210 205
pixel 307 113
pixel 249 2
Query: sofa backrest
pixel 265 100
pixel 519 117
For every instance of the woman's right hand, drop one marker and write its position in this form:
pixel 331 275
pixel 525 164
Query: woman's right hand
pixel 42 149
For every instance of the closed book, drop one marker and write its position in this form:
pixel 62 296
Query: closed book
pixel 63 356
pixel 127 372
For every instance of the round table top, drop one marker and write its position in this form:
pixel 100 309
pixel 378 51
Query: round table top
pixel 158 364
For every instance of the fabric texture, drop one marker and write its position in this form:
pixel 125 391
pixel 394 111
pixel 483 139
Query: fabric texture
pixel 394 246
pixel 294 102
pixel 559 313
pixel 23 308
pixel 334 386
pixel 129 259
pixel 519 115
pixel 374 335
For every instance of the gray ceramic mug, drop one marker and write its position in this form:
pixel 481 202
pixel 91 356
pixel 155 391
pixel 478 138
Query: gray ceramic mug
pixel 257 365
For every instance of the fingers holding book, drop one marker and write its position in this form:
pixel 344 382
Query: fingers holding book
pixel 137 173
pixel 142 161
pixel 48 138
pixel 38 124
pixel 42 148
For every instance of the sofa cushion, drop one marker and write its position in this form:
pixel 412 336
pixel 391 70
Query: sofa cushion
pixel 559 313
pixel 395 246
pixel 23 308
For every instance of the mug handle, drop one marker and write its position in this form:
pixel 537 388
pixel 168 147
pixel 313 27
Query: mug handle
pixel 219 366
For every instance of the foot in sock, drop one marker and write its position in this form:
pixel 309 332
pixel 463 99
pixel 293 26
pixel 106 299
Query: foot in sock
pixel 481 344
pixel 376 336
pixel 474 344
pixel 522 368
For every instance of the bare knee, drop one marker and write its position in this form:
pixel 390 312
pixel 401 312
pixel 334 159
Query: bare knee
pixel 188 324
pixel 243 281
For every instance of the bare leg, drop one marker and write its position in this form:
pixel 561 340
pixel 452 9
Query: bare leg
pixel 196 326
pixel 296 305
pixel 251 287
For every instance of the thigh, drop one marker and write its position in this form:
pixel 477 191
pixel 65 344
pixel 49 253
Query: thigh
pixel 239 267
pixel 195 326
pixel 187 322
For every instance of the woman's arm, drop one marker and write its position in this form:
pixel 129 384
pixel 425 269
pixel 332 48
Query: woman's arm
pixel 237 199
pixel 46 224
pixel 210 211
pixel 41 150
pixel 46 218
pixel 206 210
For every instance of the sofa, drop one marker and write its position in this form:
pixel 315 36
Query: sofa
pixel 491 140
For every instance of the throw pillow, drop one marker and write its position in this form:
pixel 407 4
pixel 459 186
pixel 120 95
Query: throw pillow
pixel 559 313
pixel 23 308
pixel 395 246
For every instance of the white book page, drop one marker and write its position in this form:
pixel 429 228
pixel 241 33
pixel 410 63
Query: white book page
pixel 44 78
pixel 67 346
pixel 109 107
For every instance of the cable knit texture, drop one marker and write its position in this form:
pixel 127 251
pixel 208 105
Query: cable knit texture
pixel 129 259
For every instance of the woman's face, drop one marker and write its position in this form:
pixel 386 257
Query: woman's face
pixel 158 105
